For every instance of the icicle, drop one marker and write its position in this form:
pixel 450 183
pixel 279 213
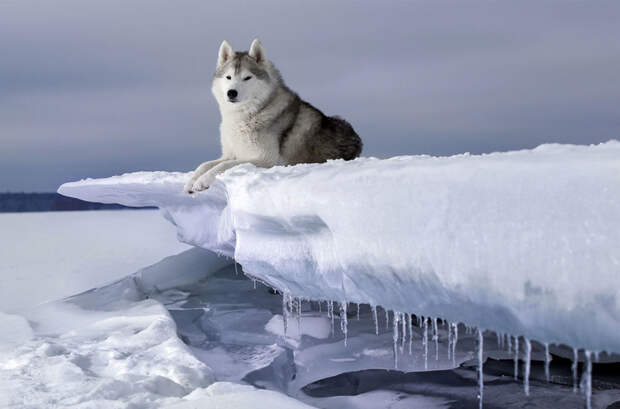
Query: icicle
pixel 547 362
pixel 320 307
pixel 299 316
pixel 574 368
pixel 395 338
pixel 344 322
pixel 374 317
pixel 436 338
pixel 403 334
pixel 254 281
pixel 334 306
pixel 526 374
pixel 285 312
pixel 425 342
pixel 330 313
pixel 358 312
pixel 410 325
pixel 480 363
pixel 516 357
pixel 236 272
pixel 454 341
pixel 509 342
pixel 387 319
pixel 449 340
pixel 499 340
pixel 587 379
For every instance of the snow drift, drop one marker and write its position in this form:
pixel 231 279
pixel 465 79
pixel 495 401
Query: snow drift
pixel 525 242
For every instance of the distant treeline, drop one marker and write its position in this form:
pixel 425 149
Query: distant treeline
pixel 48 202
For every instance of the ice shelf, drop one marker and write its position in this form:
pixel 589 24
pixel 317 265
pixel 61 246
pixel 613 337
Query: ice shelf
pixel 524 242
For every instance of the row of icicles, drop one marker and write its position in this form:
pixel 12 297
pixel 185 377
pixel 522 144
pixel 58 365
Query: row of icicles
pixel 402 329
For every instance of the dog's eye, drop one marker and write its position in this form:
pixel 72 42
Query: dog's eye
pixel 247 78
pixel 228 77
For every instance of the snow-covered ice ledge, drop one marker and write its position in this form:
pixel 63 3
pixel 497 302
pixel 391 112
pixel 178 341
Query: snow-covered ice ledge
pixel 525 242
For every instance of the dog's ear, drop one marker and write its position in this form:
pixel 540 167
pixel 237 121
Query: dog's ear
pixel 257 51
pixel 225 54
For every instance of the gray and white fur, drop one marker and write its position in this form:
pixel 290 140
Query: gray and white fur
pixel 265 123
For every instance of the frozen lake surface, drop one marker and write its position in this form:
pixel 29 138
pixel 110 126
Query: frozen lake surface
pixel 51 255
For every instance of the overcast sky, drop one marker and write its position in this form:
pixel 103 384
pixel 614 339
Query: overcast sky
pixel 96 88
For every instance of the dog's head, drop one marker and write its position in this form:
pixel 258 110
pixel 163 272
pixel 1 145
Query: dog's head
pixel 243 80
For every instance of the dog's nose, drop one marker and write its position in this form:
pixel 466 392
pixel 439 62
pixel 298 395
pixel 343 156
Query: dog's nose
pixel 232 93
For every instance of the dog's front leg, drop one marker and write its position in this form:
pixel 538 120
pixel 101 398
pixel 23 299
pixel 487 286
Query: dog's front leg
pixel 208 178
pixel 201 170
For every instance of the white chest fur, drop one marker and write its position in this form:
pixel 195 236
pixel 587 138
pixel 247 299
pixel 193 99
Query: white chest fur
pixel 247 140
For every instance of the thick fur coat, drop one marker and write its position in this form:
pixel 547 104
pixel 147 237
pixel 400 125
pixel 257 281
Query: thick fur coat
pixel 265 123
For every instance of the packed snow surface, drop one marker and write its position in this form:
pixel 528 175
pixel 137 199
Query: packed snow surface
pixel 525 242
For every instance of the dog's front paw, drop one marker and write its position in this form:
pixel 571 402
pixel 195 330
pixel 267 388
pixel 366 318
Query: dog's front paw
pixel 189 187
pixel 202 183
pixel 199 187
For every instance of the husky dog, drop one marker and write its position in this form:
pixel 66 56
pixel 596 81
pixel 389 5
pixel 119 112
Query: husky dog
pixel 265 123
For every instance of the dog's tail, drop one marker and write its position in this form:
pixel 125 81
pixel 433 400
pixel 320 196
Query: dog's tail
pixel 345 142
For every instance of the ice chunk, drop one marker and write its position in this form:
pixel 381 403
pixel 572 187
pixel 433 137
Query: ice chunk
pixel 79 357
pixel 235 396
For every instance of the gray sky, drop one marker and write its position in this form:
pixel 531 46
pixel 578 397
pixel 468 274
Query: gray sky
pixel 96 88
